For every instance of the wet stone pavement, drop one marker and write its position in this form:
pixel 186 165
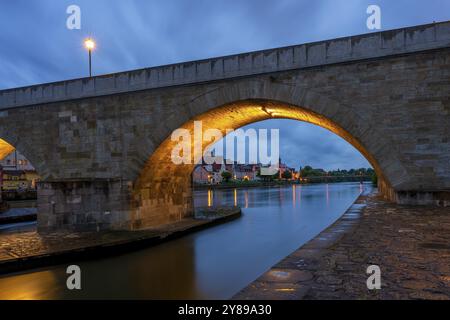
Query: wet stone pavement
pixel 30 244
pixel 411 245
pixel 27 244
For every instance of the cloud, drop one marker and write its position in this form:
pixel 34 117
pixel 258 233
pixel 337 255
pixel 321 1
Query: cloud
pixel 303 144
pixel 37 47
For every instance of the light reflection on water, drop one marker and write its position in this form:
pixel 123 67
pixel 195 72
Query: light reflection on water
pixel 211 264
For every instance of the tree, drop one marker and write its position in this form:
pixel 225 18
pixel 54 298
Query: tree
pixel 374 178
pixel 286 175
pixel 226 176
pixel 306 171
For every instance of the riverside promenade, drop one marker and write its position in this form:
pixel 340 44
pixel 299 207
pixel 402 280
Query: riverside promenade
pixel 410 244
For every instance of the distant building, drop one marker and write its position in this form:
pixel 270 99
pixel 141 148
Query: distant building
pixel 17 173
pixel 16 161
pixel 19 180
pixel 212 173
pixel 246 172
pixel 284 167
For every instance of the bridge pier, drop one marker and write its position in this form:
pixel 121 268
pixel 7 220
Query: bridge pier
pixel 425 198
pixel 414 197
pixel 164 200
pixel 84 205
pixel 386 190
pixel 105 204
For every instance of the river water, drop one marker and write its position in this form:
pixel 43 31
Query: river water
pixel 211 264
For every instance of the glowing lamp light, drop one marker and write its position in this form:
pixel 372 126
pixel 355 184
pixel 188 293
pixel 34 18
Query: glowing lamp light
pixel 89 44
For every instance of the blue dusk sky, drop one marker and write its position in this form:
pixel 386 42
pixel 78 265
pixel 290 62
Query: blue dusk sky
pixel 36 46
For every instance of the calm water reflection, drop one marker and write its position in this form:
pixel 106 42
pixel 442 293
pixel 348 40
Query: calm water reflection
pixel 211 264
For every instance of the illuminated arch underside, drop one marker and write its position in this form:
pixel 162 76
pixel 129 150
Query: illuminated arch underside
pixel 5 149
pixel 164 188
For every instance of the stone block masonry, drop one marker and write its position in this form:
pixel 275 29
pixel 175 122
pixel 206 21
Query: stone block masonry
pixel 102 145
pixel 83 205
pixel 367 46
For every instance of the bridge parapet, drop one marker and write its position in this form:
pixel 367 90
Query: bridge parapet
pixel 361 47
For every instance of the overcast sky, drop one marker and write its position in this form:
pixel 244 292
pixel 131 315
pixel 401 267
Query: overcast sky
pixel 36 46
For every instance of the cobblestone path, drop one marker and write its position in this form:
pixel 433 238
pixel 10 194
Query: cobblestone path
pixel 411 245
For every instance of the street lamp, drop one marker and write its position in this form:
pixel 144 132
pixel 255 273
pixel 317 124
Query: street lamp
pixel 89 44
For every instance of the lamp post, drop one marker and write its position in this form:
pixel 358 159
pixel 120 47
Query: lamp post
pixel 89 44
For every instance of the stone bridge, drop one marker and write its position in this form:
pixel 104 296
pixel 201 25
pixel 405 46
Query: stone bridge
pixel 102 145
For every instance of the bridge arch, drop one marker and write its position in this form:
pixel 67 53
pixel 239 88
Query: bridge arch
pixel 11 141
pixel 162 191
pixel 30 176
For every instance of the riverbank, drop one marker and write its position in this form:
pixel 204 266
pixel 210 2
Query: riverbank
pixel 278 183
pixel 409 244
pixel 27 250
